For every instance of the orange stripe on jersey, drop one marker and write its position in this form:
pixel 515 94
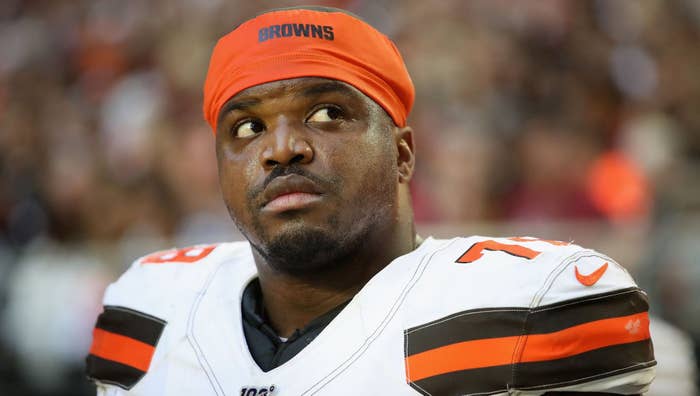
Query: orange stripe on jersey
pixel 586 337
pixel 537 347
pixel 121 349
pixel 460 356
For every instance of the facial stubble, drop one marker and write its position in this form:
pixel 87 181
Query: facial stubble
pixel 302 248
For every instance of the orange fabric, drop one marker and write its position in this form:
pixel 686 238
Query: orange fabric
pixel 476 251
pixel 296 43
pixel 538 347
pixel 460 356
pixel 586 337
pixel 186 255
pixel 122 349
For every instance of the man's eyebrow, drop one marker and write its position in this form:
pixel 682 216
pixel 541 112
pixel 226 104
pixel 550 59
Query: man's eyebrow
pixel 237 105
pixel 331 86
pixel 314 90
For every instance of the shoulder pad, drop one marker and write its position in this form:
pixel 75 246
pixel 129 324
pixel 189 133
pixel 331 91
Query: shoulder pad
pixel 490 271
pixel 156 281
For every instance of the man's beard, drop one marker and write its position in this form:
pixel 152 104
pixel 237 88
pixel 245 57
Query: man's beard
pixel 305 251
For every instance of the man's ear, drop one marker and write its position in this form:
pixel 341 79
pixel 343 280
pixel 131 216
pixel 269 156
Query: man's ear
pixel 406 157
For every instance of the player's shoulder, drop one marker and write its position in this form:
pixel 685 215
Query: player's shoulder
pixel 541 271
pixel 557 316
pixel 522 275
pixel 146 310
pixel 158 279
pixel 472 249
pixel 478 250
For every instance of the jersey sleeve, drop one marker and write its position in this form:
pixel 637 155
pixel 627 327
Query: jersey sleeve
pixel 143 318
pixel 123 346
pixel 588 331
pixel 526 316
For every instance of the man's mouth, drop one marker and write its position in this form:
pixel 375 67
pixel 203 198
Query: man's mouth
pixel 292 201
pixel 290 192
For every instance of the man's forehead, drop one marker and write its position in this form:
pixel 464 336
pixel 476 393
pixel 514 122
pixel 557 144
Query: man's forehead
pixel 294 87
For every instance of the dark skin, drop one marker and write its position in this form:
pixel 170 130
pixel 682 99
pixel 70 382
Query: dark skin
pixel 347 167
pixel 315 174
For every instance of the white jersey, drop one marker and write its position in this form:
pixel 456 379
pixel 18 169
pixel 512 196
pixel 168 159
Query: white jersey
pixel 466 316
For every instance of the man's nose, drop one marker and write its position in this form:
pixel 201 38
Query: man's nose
pixel 285 145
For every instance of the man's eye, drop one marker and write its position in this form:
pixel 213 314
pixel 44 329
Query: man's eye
pixel 325 114
pixel 248 128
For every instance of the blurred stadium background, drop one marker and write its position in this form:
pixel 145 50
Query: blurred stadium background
pixel 574 120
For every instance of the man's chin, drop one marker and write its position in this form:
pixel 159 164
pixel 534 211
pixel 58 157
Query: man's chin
pixel 305 250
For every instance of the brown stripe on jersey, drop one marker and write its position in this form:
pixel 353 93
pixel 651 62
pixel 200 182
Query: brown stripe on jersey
pixel 554 317
pixel 588 366
pixel 489 352
pixel 483 381
pixel 466 326
pixel 513 321
pixel 123 346
pixel 585 367
pixel 111 372
pixel 131 323
pixel 566 335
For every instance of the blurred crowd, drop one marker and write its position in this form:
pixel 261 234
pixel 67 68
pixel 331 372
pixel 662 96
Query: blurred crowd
pixel 530 112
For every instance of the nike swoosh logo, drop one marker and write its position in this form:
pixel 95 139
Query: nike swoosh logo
pixel 593 277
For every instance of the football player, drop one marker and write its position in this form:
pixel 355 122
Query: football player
pixel 334 293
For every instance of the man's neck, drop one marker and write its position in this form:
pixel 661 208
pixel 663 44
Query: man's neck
pixel 291 302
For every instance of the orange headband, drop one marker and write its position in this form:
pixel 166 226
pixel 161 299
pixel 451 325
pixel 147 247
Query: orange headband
pixel 295 43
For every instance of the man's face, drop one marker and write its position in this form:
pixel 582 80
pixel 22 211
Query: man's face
pixel 308 170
